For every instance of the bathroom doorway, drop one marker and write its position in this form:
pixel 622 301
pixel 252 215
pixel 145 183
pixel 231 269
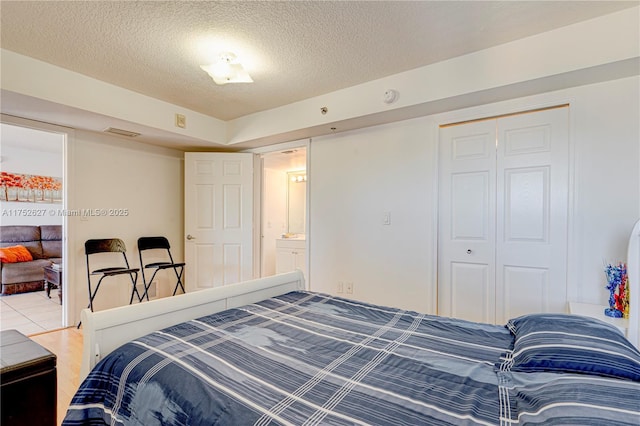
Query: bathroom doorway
pixel 284 211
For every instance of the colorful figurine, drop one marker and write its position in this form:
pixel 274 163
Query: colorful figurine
pixel 618 292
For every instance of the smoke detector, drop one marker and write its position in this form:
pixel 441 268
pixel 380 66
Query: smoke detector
pixel 390 96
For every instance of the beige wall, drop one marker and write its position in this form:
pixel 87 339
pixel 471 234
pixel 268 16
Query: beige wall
pixel 113 173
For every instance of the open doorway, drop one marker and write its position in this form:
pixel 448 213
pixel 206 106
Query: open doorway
pixel 32 216
pixel 284 211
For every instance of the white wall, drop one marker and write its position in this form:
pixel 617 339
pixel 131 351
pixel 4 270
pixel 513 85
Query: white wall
pixel 356 176
pixel 113 173
pixel 39 153
pixel 606 133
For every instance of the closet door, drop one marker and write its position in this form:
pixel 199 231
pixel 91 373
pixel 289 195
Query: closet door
pixel 466 258
pixel 502 240
pixel 532 210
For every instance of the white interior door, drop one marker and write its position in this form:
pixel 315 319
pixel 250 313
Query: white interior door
pixel 466 259
pixel 218 219
pixel 503 211
pixel 532 212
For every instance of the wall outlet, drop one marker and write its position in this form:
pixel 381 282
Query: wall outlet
pixel 348 287
pixel 340 287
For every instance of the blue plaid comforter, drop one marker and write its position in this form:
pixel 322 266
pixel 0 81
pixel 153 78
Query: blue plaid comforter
pixel 313 359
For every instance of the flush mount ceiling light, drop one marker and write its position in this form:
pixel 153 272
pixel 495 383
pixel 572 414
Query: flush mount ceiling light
pixel 227 70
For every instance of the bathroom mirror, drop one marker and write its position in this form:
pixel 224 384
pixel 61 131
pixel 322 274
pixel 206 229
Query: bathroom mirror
pixel 296 202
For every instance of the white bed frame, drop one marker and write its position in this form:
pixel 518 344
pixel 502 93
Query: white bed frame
pixel 633 272
pixel 105 331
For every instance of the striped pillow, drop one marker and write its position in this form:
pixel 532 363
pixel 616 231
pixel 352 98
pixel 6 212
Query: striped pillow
pixel 570 343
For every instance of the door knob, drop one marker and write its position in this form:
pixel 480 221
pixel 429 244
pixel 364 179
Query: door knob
pixel 190 237
pixel 469 251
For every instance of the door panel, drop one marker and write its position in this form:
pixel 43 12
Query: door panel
pixel 527 204
pixel 532 175
pixel 205 211
pixel 202 274
pixel 526 291
pixel 526 139
pixel 218 219
pixel 475 147
pixel 232 206
pixel 470 206
pixel 232 255
pixel 466 261
pixel 471 292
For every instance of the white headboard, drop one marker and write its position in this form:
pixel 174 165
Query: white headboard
pixel 633 271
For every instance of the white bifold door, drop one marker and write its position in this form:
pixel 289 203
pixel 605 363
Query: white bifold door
pixel 218 219
pixel 503 207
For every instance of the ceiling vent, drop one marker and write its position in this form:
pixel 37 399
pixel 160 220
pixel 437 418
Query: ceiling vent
pixel 121 132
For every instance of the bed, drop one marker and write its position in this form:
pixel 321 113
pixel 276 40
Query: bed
pixel 269 352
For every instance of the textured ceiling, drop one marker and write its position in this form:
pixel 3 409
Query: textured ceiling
pixel 293 50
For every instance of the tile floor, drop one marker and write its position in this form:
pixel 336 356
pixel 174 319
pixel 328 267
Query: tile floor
pixel 31 313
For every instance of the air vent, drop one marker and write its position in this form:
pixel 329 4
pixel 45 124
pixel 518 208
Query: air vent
pixel 121 132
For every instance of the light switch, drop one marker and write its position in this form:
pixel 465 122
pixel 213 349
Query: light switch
pixel 181 121
pixel 386 218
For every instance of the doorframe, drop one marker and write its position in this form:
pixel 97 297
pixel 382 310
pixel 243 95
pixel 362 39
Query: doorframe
pixel 68 242
pixel 259 200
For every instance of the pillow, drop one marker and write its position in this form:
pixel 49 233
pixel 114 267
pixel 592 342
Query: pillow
pixel 7 256
pixel 15 254
pixel 570 344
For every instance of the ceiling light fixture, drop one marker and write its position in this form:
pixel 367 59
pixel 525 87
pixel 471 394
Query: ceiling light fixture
pixel 227 70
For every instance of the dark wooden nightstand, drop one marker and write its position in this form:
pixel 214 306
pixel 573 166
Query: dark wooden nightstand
pixel 53 278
